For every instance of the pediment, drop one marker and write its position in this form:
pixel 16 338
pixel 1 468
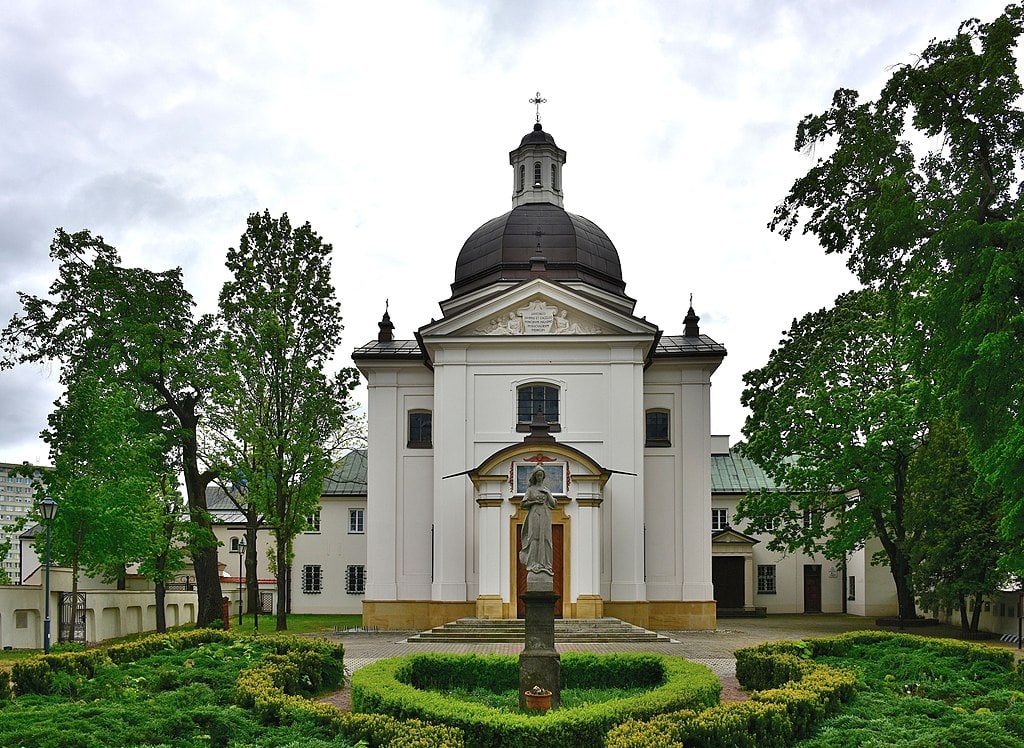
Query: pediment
pixel 538 308
pixel 732 537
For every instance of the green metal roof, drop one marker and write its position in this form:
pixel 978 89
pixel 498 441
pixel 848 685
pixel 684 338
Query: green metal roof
pixel 348 478
pixel 734 473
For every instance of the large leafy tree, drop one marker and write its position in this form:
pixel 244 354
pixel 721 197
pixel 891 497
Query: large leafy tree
pixel 958 519
pixel 834 419
pixel 281 325
pixel 102 477
pixel 922 189
pixel 135 328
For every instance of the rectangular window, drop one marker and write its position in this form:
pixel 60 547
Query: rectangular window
pixel 719 519
pixel 851 588
pixel 312 579
pixel 313 521
pixel 420 422
pixel 657 429
pixel 766 579
pixel 355 580
pixel 537 398
pixel 355 521
pixel 555 472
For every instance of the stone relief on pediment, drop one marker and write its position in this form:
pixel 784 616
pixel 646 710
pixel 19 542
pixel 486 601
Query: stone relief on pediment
pixel 538 318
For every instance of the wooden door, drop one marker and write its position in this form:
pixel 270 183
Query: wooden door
pixel 557 536
pixel 727 580
pixel 812 588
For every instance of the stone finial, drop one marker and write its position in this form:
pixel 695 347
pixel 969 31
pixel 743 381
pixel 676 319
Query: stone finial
pixel 387 329
pixel 691 329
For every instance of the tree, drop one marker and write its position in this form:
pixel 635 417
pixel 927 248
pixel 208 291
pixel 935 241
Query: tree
pixel 133 327
pixel 281 324
pixel 834 419
pixel 922 189
pixel 958 520
pixel 168 537
pixel 102 477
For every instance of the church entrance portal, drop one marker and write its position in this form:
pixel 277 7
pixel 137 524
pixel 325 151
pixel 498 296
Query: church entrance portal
pixel 557 537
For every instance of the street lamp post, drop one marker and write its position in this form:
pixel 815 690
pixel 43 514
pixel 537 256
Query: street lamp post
pixel 241 579
pixel 48 507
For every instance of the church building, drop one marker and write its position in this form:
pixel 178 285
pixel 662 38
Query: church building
pixel 538 359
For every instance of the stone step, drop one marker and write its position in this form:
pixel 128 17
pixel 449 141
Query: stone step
pixel 474 630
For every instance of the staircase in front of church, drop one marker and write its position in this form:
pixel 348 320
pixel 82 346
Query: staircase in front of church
pixel 486 631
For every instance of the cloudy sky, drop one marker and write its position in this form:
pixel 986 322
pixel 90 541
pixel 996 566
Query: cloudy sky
pixel 162 125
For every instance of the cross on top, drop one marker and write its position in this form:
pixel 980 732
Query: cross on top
pixel 538 101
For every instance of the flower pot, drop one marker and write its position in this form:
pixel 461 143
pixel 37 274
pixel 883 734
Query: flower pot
pixel 535 700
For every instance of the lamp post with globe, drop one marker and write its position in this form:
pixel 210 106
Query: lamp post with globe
pixel 48 508
pixel 241 578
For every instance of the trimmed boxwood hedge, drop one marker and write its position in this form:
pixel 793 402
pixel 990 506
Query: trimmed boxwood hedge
pixel 791 695
pixel 394 687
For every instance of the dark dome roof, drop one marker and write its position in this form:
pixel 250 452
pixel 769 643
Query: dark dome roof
pixel 537 135
pixel 575 249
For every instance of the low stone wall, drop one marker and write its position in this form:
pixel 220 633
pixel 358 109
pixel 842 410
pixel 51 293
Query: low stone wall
pixel 108 614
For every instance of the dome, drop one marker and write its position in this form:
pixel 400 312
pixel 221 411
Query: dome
pixel 536 136
pixel 573 248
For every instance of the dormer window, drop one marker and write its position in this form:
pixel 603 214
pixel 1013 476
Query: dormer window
pixel 536 174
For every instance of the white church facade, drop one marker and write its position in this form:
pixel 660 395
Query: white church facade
pixel 539 359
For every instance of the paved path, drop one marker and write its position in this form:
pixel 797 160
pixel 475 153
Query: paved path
pixel 714 648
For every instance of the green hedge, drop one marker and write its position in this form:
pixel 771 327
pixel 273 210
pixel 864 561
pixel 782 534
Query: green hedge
pixel 787 709
pixel 841 645
pixel 269 690
pixel 5 685
pixel 394 686
pixel 35 675
pixel 177 640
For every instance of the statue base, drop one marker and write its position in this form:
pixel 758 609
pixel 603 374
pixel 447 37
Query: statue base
pixel 540 664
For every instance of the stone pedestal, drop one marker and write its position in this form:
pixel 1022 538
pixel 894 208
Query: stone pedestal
pixel 539 663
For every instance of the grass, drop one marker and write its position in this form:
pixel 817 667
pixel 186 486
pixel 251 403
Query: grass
pixel 298 623
pixel 508 700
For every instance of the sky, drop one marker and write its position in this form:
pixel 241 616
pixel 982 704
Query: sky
pixel 162 125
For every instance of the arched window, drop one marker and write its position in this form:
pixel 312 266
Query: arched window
pixel 234 545
pixel 536 173
pixel 656 429
pixel 554 177
pixel 420 423
pixel 537 398
pixel 522 177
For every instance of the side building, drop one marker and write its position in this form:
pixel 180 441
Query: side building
pixel 328 570
pixel 749 578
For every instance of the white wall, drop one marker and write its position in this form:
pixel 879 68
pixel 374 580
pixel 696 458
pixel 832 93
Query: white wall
pixel 108 614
